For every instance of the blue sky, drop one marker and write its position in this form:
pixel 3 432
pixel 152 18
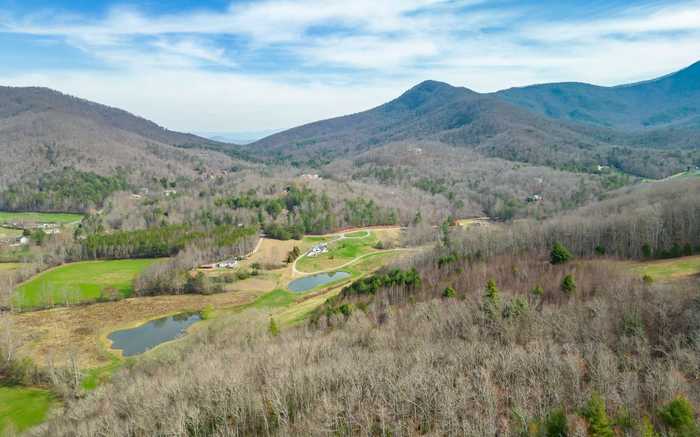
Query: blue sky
pixel 249 65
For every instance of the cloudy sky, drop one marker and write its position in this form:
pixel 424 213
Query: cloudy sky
pixel 228 66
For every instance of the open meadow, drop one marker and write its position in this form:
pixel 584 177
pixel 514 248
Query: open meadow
pixel 80 282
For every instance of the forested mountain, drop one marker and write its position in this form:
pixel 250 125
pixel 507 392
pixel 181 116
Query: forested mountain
pixel 573 126
pixel 42 130
pixel 672 100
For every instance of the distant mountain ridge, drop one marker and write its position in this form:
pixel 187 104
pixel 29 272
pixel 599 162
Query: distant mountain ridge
pixel 671 100
pixel 568 124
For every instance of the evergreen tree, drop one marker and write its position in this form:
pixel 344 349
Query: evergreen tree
pixel 598 421
pixel 556 424
pixel 559 254
pixel 492 299
pixel 568 285
pixel 273 329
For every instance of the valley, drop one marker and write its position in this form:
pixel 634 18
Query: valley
pixel 447 263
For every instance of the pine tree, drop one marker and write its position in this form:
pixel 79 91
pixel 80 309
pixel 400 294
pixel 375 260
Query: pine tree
pixel 568 285
pixel 492 299
pixel 273 328
pixel 449 292
pixel 598 421
pixel 559 254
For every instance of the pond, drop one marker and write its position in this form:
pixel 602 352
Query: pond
pixel 309 282
pixel 142 338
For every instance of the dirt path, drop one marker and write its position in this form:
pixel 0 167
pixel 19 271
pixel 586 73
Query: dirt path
pixel 296 272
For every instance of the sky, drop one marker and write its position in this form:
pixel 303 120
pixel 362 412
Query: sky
pixel 250 66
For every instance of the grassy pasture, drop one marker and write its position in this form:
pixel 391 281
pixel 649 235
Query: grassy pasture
pixel 79 282
pixel 340 252
pixel 665 270
pixel 21 408
pixel 39 217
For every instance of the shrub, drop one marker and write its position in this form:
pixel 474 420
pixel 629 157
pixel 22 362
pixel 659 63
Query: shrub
pixel 647 429
pixel 449 292
pixel 647 251
pixel 600 250
pixel 559 254
pixel 568 285
pixel 537 291
pixel 648 279
pixel 556 424
pixel 679 417
pixel 515 308
pixel 598 421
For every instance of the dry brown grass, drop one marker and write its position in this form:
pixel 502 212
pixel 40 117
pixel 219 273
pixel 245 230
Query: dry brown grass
pixel 52 335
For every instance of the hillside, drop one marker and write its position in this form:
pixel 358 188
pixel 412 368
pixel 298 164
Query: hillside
pixel 44 130
pixel 429 111
pixel 672 100
pixel 503 126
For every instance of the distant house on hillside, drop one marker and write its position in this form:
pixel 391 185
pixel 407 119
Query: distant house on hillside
pixel 310 177
pixel 534 198
pixel 169 193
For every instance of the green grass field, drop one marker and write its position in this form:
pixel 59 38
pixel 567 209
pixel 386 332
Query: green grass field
pixel 340 252
pixel 39 217
pixel 665 270
pixel 79 282
pixel 22 408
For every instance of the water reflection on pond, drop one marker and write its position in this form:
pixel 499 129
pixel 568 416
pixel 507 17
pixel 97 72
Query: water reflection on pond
pixel 309 282
pixel 142 338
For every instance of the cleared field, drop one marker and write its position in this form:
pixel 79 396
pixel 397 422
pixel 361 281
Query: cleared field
pixel 80 282
pixel 21 408
pixel 340 252
pixel 39 217
pixel 665 270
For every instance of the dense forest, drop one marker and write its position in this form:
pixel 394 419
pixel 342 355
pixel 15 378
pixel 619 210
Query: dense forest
pixel 63 191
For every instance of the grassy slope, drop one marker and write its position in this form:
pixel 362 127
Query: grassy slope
pixel 40 217
pixel 22 408
pixel 82 282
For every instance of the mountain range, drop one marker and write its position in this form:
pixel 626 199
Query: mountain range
pixel 542 123
pixel 571 125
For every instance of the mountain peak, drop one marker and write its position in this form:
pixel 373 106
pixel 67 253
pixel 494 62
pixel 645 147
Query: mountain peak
pixel 427 92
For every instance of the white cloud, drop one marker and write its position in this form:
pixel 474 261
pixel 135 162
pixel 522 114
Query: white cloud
pixel 160 63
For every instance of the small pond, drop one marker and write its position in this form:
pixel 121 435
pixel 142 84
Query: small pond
pixel 142 338
pixel 309 282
